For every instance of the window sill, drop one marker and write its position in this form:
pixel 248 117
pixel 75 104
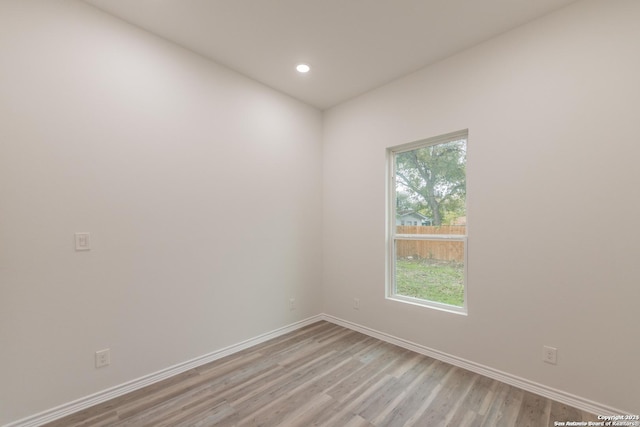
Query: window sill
pixel 429 304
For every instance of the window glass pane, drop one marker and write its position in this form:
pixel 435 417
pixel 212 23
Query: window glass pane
pixel 431 187
pixel 432 270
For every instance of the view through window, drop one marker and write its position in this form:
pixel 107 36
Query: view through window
pixel 428 222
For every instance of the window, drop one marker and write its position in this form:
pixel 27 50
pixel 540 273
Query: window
pixel 427 264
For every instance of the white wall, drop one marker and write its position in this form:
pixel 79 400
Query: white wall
pixel 552 112
pixel 201 190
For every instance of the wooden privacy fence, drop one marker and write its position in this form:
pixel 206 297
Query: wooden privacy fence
pixel 439 250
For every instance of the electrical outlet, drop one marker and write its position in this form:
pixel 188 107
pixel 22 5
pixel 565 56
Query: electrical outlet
pixel 550 355
pixel 356 303
pixel 103 358
pixel 82 241
pixel 292 304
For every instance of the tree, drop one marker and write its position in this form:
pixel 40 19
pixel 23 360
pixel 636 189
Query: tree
pixel 433 178
pixel 405 202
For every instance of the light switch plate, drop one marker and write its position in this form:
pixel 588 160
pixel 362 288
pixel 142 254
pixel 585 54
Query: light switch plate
pixel 82 241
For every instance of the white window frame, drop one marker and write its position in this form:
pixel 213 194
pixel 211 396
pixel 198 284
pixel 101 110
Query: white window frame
pixel 393 237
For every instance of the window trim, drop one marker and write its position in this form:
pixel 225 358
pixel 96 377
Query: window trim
pixel 392 237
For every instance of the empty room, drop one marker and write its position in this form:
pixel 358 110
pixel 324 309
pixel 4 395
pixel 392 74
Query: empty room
pixel 319 212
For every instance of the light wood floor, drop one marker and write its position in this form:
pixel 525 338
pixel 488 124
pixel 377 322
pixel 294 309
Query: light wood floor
pixel 326 375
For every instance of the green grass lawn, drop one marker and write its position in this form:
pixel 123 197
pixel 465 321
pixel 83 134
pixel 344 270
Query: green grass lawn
pixel 431 280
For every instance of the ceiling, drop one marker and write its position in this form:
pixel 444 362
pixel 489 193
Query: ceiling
pixel 352 46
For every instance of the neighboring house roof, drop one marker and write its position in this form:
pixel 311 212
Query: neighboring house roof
pixel 462 220
pixel 412 214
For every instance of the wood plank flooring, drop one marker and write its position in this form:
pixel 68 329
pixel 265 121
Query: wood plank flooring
pixel 326 375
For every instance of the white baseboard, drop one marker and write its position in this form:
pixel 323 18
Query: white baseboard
pixel 119 390
pixel 105 395
pixel 524 384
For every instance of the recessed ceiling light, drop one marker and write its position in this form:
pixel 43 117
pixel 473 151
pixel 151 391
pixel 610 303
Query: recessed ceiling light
pixel 303 68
